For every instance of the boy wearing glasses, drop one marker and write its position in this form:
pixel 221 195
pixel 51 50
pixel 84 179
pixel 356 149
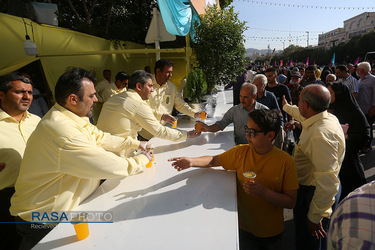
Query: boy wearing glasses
pixel 260 202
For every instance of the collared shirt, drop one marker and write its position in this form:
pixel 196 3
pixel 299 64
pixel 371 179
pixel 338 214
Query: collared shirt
pixel 352 84
pixel 165 97
pixel 64 160
pixel 100 87
pixel 318 156
pixel 126 113
pixel 268 99
pixel 110 91
pixel 366 93
pixel 239 116
pixel 13 138
pixel 353 222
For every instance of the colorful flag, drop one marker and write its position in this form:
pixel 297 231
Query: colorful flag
pixel 281 63
pixel 314 62
pixel 333 59
pixel 275 63
pixel 291 62
pixel 307 61
pixel 356 61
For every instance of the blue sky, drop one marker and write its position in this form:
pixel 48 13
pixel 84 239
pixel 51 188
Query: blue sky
pixel 272 25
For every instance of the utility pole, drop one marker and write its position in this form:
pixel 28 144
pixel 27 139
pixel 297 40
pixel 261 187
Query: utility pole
pixel 307 38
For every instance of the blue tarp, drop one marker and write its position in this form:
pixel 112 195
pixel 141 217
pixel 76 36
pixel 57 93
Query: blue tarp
pixel 178 16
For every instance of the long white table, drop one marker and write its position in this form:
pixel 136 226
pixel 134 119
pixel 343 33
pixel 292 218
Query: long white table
pixel 161 208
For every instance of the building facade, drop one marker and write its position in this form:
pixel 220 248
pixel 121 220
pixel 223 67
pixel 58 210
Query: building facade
pixel 355 26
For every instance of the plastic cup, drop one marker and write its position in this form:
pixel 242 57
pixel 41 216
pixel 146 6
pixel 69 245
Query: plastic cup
pixel 250 175
pixel 174 124
pixel 148 165
pixel 81 226
pixel 82 230
pixel 198 126
pixel 203 115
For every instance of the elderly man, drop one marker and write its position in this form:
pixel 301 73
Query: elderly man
pixel 310 77
pixel 342 72
pixel 366 97
pixel 264 96
pixel 16 126
pixel 330 78
pixel 126 113
pixel 67 156
pixel 318 156
pixel 166 97
pixel 239 114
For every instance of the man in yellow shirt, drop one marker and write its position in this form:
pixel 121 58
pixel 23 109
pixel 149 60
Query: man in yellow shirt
pixel 318 156
pixel 127 113
pixel 67 156
pixel 260 202
pixel 166 96
pixel 16 125
pixel 120 84
pixel 100 87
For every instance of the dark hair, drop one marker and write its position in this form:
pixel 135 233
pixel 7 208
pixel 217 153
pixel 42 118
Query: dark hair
pixel 311 67
pixel 272 69
pixel 342 68
pixel 267 120
pixel 122 76
pixel 71 83
pixel 5 81
pixel 139 76
pixel 315 98
pixel 106 70
pixel 160 64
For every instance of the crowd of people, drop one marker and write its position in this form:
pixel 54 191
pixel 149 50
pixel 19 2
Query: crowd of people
pixel 299 129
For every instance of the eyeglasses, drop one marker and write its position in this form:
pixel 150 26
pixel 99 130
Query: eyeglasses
pixel 252 132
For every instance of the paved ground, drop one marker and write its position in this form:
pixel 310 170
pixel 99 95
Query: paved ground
pixel 368 161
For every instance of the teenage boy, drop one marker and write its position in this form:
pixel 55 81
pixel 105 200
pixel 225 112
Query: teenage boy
pixel 260 202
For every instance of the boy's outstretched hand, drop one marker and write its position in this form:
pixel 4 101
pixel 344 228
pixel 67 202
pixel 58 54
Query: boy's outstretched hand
pixel 181 163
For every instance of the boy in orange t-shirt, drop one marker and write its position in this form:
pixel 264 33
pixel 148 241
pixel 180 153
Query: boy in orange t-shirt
pixel 260 201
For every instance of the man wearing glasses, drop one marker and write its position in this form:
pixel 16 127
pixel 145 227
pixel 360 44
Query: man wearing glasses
pixel 261 200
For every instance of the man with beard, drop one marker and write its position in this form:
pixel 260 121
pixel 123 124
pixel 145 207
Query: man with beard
pixel 16 126
pixel 66 157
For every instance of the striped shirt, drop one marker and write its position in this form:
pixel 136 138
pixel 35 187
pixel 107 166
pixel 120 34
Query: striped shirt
pixel 352 84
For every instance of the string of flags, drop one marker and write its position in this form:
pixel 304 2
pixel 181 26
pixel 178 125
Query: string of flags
pixel 291 38
pixel 309 6
pixel 288 31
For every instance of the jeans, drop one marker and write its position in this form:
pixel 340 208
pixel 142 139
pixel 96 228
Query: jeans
pixel 249 241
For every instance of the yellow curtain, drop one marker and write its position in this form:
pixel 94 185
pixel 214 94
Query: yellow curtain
pixel 60 48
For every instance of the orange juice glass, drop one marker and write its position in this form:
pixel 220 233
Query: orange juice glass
pixel 82 230
pixel 148 165
pixel 250 175
pixel 203 115
pixel 174 124
pixel 198 126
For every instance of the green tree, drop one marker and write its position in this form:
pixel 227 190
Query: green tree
pixel 219 47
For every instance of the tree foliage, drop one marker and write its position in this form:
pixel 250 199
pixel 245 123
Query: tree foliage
pixel 111 19
pixel 219 47
pixel 196 85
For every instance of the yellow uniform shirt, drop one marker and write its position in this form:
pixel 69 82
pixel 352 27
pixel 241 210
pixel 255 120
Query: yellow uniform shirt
pixel 100 87
pixel 126 113
pixel 13 138
pixel 318 156
pixel 274 170
pixel 165 97
pixel 64 160
pixel 111 91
